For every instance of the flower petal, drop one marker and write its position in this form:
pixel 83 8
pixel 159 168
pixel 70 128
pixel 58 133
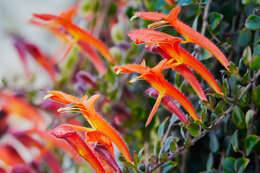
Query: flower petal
pixel 98 136
pixel 71 136
pixel 10 156
pixel 168 103
pixel 42 60
pixel 107 159
pixel 152 37
pixel 153 16
pixel 93 56
pixel 62 97
pixel 186 58
pixel 131 68
pixel 178 96
pixel 190 77
pixel 53 162
pixel 88 110
pixel 20 107
pixel 155 107
pixel 195 37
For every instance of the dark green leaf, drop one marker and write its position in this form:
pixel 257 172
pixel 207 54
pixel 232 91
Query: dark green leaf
pixel 241 164
pixel 194 129
pixel 228 165
pixel 247 55
pixel 244 37
pixel 214 19
pixel 256 96
pixel 249 115
pixel 213 143
pixel 161 128
pixel 250 142
pixel 255 63
pixel 234 141
pixel 210 162
pixel 219 107
pixel 257 49
pixel 253 22
pixel 168 142
pixel 238 117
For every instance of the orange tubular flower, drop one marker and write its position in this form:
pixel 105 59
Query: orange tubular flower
pixel 87 108
pixel 42 59
pixel 185 72
pixel 23 47
pixel 167 103
pixel 171 46
pixel 10 156
pixel 73 138
pixel 65 21
pixel 20 107
pixel 187 32
pixel 102 152
pixel 155 78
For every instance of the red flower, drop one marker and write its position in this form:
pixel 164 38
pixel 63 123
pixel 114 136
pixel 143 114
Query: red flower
pixel 87 108
pixel 155 78
pixel 187 32
pixel 63 27
pixel 171 46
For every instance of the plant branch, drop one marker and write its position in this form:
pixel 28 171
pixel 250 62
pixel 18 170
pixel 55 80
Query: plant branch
pixel 203 133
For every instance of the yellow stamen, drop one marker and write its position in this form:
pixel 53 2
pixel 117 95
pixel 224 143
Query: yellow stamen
pixel 136 79
pixel 158 24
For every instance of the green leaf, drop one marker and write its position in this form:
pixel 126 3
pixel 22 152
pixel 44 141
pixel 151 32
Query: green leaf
pixel 161 128
pixel 194 129
pixel 204 55
pixel 250 142
pixel 184 2
pixel 213 143
pixel 255 63
pixel 219 107
pixel 168 142
pixel 247 55
pixel 228 165
pixel 244 37
pixel 256 96
pixel 241 164
pixel 214 19
pixel 253 22
pixel 257 49
pixel 210 162
pixel 245 2
pixel 234 141
pixel 249 115
pixel 168 166
pixel 238 117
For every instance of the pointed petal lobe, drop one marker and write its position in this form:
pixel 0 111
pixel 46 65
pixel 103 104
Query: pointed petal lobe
pixel 155 107
pixel 189 76
pixel 168 103
pixel 153 16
